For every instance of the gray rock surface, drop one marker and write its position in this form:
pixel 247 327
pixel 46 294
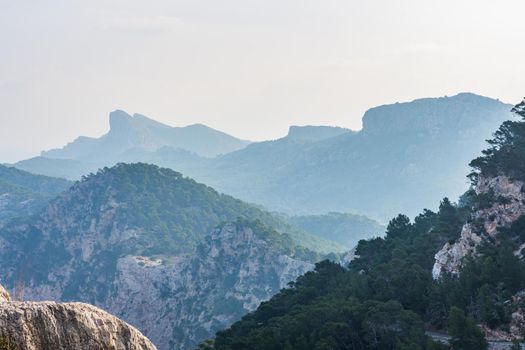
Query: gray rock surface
pixel 509 205
pixel 4 295
pixel 68 326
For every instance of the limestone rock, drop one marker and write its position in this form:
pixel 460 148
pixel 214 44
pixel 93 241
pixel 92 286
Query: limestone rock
pixel 4 295
pixel 49 325
pixel 509 205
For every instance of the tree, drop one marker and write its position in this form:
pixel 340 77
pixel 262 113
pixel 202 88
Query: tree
pixel 464 332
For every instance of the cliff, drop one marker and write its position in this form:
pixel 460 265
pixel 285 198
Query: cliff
pixel 505 204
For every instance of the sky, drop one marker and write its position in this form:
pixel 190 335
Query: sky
pixel 250 68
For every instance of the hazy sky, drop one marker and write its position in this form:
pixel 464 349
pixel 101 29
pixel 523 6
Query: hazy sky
pixel 248 67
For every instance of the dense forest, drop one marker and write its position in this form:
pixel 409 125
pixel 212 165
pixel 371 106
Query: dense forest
pixel 386 298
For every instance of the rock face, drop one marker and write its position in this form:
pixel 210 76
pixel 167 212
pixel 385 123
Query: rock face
pixel 507 205
pixel 233 271
pixel 49 325
pixel 178 301
pixel 4 295
pixel 150 255
pixel 102 243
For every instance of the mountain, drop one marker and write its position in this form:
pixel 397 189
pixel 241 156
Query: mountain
pixel 401 148
pixel 379 171
pixel 163 252
pixel 22 193
pixel 459 271
pixel 128 133
pixel 407 156
pixel 345 229
pixel 48 325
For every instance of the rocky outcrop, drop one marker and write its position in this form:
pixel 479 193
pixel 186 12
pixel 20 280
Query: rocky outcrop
pixel 139 242
pixel 178 301
pixel 49 325
pixel 233 271
pixel 506 204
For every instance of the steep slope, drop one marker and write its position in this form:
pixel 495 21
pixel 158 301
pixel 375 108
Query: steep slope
pixel 48 325
pixel 23 194
pixel 139 132
pixel 134 234
pixel 499 176
pixel 402 160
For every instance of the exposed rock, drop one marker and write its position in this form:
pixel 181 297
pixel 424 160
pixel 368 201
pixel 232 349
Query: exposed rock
pixel 177 301
pixel 232 272
pixel 4 295
pixel 49 325
pixel 508 204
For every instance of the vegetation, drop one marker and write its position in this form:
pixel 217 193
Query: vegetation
pixel 465 334
pixel 387 296
pixel 22 193
pixel 506 154
pixel 177 211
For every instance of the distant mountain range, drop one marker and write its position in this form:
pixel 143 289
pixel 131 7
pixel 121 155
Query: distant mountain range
pixel 140 133
pixel 402 160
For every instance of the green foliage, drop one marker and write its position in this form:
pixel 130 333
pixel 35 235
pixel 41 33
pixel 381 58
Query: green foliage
pixel 318 311
pixel 175 212
pixel 24 194
pixel 465 335
pixel 506 154
pixel 381 301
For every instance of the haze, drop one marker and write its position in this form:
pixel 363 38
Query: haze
pixel 247 67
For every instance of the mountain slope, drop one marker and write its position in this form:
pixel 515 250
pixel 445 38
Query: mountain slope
pixel 384 169
pixel 476 292
pixel 23 194
pixel 135 233
pixel 345 229
pixel 141 133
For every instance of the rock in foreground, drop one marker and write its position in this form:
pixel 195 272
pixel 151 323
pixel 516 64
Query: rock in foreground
pixel 50 325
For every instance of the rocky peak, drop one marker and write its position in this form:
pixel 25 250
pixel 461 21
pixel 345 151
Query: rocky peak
pixel 507 204
pixel 119 120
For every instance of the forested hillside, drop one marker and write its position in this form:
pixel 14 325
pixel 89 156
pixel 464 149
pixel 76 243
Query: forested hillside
pixel 387 296
pixel 23 194
pixel 136 233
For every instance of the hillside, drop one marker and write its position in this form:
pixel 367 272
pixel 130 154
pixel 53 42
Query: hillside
pixel 345 229
pixel 402 160
pixel 406 157
pixel 23 194
pixel 135 233
pixel 472 289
